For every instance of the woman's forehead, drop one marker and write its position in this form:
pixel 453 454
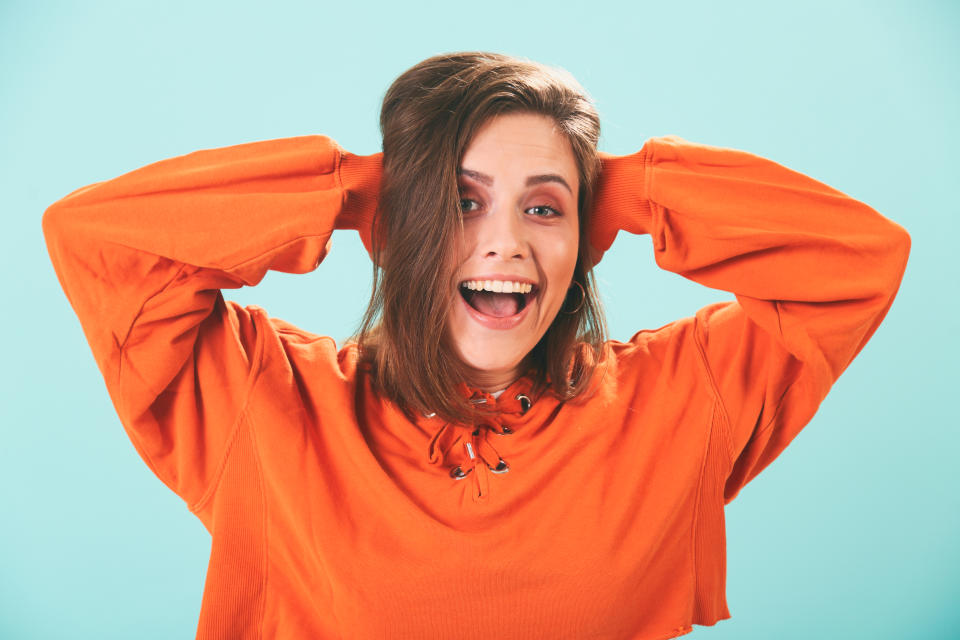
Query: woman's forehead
pixel 520 148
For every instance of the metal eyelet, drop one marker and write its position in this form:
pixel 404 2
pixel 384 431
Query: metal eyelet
pixel 457 473
pixel 502 467
pixel 506 431
pixel 525 402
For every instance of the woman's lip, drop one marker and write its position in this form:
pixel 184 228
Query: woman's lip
pixel 493 322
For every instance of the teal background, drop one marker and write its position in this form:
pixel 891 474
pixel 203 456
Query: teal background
pixel 852 533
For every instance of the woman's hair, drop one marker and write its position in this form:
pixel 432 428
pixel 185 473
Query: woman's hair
pixel 429 117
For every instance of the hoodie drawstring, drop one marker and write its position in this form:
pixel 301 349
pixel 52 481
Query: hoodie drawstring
pixel 473 453
pixel 468 452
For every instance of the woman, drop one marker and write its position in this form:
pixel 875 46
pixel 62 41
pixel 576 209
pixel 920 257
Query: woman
pixel 479 462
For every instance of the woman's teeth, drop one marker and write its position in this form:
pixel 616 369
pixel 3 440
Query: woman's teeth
pixel 497 286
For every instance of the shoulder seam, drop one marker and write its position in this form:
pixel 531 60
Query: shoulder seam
pixel 121 348
pixel 694 527
pixel 265 531
pixel 714 388
pixel 256 365
pixel 133 321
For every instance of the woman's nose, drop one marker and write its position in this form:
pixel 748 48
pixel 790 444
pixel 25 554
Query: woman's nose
pixel 503 235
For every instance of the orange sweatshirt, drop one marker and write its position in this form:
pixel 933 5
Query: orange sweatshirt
pixel 333 516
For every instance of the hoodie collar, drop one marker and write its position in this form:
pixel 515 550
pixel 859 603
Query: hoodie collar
pixel 516 399
pixel 469 452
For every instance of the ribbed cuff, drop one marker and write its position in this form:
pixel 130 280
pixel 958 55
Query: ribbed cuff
pixel 360 179
pixel 622 200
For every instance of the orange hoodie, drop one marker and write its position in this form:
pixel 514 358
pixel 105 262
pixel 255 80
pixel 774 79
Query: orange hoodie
pixel 333 516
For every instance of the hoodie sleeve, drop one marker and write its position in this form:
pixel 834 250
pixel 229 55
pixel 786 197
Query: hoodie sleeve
pixel 813 271
pixel 142 259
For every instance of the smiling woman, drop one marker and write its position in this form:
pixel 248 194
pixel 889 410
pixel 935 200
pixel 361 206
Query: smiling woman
pixel 479 463
pixel 490 164
pixel 520 225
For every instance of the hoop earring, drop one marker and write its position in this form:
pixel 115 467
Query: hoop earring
pixel 583 297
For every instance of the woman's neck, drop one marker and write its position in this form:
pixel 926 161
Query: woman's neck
pixel 492 382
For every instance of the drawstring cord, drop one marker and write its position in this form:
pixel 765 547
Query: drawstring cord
pixel 472 451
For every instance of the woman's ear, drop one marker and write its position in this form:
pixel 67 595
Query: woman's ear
pixel 376 233
pixel 589 253
pixel 380 257
pixel 593 255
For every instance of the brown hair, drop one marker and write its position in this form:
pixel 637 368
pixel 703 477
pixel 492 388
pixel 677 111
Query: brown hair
pixel 430 114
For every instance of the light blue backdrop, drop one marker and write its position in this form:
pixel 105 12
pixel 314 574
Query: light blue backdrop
pixel 852 533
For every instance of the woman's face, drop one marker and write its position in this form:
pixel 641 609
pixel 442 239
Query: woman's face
pixel 518 188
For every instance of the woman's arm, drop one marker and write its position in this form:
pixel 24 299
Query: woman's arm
pixel 813 270
pixel 142 258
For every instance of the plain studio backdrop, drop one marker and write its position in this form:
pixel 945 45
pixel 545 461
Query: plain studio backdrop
pixel 852 533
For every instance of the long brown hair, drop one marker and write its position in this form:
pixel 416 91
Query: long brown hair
pixel 430 114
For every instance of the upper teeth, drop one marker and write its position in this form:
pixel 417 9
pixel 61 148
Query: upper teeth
pixel 497 286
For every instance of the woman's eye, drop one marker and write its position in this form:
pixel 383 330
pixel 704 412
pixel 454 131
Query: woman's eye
pixel 543 211
pixel 467 205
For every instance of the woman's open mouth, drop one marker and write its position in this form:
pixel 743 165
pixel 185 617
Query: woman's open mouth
pixel 498 298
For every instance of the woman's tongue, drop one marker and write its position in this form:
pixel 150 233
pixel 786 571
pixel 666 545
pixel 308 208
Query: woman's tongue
pixel 500 305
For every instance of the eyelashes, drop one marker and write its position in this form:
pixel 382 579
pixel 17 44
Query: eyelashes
pixel 547 211
pixel 470 205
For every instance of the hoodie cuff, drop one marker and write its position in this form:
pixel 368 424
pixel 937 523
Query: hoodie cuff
pixel 622 198
pixel 360 181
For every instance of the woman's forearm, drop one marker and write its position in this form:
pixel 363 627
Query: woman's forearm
pixel 734 221
pixel 142 259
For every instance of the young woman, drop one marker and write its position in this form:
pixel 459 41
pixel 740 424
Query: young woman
pixel 480 462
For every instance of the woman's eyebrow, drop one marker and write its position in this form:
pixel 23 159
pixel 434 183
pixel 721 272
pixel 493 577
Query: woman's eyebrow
pixel 548 177
pixel 484 179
